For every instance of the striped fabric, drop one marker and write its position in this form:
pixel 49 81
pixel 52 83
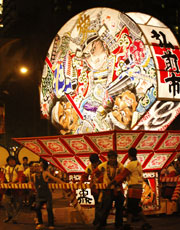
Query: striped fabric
pixel 176 192
pixel 51 186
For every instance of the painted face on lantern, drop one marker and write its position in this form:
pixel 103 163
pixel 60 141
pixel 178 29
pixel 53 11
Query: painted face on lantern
pixel 95 54
pixel 124 106
pixel 65 116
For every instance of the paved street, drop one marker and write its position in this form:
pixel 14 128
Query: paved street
pixel 67 218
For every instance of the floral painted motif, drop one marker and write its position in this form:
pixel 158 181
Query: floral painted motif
pixel 70 165
pixel 55 147
pixel 148 142
pixel 34 147
pixel 123 142
pixel 172 141
pixel 78 145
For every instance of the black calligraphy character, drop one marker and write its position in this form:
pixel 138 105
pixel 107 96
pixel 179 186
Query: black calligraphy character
pixel 163 41
pixel 83 197
pixel 171 61
pixel 174 84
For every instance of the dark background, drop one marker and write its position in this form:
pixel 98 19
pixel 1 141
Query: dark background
pixel 29 28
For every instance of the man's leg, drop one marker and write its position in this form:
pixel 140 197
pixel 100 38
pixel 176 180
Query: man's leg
pixel 50 212
pixel 119 201
pixel 97 210
pixel 8 207
pixel 38 211
pixel 107 201
pixel 17 205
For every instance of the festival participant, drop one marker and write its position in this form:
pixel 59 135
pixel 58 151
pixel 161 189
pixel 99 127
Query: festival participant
pixel 133 174
pixel 29 194
pixel 2 179
pixel 95 161
pixel 25 163
pixel 109 170
pixel 12 200
pixel 44 194
pixel 22 168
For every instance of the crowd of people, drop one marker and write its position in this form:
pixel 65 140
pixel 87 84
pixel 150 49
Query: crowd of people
pixel 37 173
pixel 111 172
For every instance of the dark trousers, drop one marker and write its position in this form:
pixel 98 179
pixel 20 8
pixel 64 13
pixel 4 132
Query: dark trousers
pixel 39 204
pixel 133 206
pixel 97 209
pixel 107 201
pixel 12 203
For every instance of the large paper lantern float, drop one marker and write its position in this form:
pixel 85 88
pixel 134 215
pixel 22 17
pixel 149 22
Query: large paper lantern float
pixel 108 70
pixel 108 73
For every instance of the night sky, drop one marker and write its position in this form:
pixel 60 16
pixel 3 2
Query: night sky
pixel 25 40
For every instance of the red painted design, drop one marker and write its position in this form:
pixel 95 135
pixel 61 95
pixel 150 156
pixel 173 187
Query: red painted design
pixel 141 159
pixel 79 145
pixel 32 146
pixel 70 164
pixel 105 143
pixel 124 141
pixel 150 141
pixel 172 141
pixel 158 161
pixel 55 147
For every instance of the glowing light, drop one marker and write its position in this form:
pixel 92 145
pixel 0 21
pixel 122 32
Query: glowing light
pixel 23 70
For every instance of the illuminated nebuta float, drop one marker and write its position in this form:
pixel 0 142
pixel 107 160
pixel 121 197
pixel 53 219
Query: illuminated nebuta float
pixel 108 70
pixel 111 81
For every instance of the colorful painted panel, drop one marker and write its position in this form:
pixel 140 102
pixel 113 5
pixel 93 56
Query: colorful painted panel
pixel 125 141
pixel 34 146
pixel 168 72
pixel 171 141
pixel 159 116
pixel 71 165
pixel 55 146
pixel 85 160
pixel 166 53
pixel 150 199
pixel 157 161
pixel 149 141
pixel 103 142
pixel 166 144
pixel 79 145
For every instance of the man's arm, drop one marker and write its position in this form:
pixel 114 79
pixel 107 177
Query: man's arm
pixel 84 177
pixel 120 177
pixel 54 178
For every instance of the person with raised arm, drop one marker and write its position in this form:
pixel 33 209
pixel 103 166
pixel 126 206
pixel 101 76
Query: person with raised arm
pixel 43 194
pixel 133 174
